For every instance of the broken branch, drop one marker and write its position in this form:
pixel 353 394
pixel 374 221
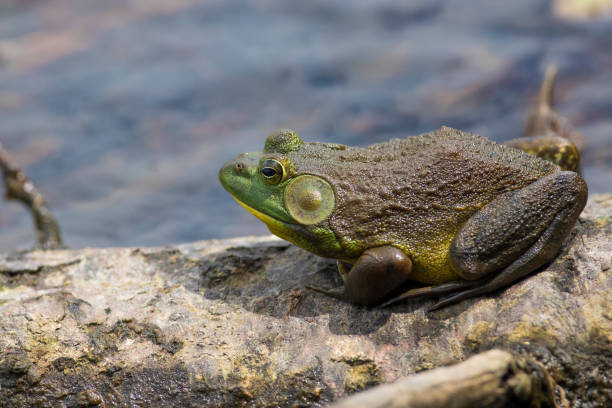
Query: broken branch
pixel 20 188
pixel 491 379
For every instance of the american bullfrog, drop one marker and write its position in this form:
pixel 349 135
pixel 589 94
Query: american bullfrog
pixel 452 210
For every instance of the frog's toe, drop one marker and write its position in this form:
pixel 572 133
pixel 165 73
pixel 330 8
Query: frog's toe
pixel 456 297
pixel 429 291
pixel 556 149
pixel 336 294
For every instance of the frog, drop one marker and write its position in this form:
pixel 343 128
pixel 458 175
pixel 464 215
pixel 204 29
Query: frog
pixel 451 211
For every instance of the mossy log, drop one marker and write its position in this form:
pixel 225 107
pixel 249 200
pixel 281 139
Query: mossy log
pixel 229 323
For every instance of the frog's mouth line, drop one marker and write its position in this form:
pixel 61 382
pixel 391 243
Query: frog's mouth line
pixel 272 223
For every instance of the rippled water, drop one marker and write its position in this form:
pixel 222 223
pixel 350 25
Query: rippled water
pixel 123 111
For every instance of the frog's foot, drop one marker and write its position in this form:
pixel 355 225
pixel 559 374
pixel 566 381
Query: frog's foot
pixel 429 291
pixel 344 268
pixel 376 273
pixel 336 294
pixel 556 149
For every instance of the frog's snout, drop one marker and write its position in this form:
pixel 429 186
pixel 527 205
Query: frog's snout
pixel 231 170
pixel 241 163
pixel 238 170
pixel 237 166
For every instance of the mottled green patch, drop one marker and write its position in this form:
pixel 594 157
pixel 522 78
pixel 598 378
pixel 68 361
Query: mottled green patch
pixel 479 334
pixel 362 373
pixel 603 221
pixel 252 375
pixel 530 332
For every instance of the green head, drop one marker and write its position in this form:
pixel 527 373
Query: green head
pixel 295 206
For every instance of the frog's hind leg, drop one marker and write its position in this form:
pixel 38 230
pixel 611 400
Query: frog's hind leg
pixel 510 237
pixel 516 233
pixel 540 253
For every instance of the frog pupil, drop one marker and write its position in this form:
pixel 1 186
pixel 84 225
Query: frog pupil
pixel 268 172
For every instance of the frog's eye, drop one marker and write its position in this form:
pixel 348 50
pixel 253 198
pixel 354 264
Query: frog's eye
pixel 272 171
pixel 309 199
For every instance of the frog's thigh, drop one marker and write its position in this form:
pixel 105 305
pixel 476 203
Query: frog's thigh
pixel 555 149
pixel 525 226
pixel 376 273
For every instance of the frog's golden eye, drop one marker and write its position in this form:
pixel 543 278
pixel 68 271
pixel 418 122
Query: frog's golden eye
pixel 309 199
pixel 272 171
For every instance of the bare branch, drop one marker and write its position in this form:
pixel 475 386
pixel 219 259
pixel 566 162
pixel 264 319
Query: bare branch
pixel 543 120
pixel 491 379
pixel 19 187
pixel 547 88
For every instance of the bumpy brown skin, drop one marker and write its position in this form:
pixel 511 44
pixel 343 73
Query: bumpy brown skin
pixel 416 193
pixel 445 208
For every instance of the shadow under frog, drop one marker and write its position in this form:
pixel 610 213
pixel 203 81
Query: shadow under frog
pixel 268 279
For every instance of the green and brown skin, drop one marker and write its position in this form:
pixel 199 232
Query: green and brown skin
pixel 448 209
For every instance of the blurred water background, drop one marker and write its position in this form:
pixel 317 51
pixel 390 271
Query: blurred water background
pixel 122 111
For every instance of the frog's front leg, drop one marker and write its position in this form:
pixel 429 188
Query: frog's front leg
pixel 376 273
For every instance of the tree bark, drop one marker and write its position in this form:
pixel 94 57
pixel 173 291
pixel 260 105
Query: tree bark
pixel 492 379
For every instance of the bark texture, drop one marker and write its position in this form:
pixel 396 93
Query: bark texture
pixel 20 188
pixel 493 379
pixel 229 323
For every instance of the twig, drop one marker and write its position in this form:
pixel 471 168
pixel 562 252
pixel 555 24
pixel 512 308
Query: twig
pixel 19 187
pixel 547 88
pixel 491 379
pixel 38 269
pixel 543 120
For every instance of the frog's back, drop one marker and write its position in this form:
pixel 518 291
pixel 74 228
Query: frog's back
pixel 448 143
pixel 415 193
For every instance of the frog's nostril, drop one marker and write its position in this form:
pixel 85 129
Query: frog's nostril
pixel 239 167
